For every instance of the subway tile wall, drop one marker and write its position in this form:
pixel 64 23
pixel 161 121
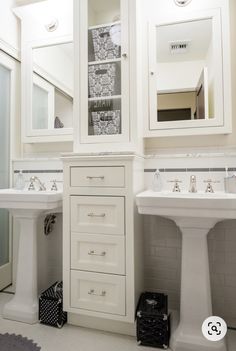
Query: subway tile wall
pixel 163 238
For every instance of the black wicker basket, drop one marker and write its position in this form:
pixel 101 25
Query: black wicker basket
pixel 153 321
pixel 51 306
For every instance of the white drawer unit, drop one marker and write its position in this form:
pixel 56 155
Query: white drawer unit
pixel 97 177
pixel 97 214
pixel 98 292
pixel 98 253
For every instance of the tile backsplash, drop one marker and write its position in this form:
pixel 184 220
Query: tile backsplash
pixel 163 238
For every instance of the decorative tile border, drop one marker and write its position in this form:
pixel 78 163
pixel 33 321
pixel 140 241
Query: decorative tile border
pixel 180 170
pixel 39 171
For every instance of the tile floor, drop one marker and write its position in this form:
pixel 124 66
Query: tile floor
pixel 71 338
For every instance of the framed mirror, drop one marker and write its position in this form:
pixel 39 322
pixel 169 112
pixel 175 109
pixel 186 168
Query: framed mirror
pixel 188 79
pixel 51 89
pixel 47 71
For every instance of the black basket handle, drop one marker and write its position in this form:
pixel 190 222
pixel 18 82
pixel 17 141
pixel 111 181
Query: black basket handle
pixel 104 34
pixel 101 71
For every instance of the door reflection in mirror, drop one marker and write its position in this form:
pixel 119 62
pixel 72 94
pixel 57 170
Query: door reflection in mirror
pixel 52 103
pixel 185 71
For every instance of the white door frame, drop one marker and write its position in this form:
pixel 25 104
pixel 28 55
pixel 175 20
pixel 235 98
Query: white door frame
pixel 11 64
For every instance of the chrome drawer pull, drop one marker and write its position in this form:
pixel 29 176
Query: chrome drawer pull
pixel 92 292
pixel 102 215
pixel 93 253
pixel 90 177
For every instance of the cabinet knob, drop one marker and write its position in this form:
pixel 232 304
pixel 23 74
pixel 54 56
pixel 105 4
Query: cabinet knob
pixel 152 73
pixel 125 55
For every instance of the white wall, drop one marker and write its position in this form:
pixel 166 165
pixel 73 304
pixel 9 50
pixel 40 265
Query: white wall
pixel 179 75
pixel 9 28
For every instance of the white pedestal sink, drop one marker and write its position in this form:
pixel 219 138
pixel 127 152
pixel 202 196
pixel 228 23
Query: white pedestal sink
pixel 195 215
pixel 26 207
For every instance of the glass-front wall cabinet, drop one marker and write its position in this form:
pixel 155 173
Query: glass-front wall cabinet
pixel 107 74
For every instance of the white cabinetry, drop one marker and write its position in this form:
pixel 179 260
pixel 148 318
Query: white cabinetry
pixel 105 84
pixel 102 237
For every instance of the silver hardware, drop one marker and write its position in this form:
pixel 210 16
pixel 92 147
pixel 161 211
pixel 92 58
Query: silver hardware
pixel 92 292
pixel 176 188
pixel 209 188
pixel 125 55
pixel 33 179
pixel 31 186
pixel 100 177
pixel 54 185
pixel 193 184
pixel 93 253
pixel 152 73
pixel 102 215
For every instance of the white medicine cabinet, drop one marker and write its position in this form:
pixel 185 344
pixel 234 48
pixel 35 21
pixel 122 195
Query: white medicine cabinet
pixel 103 56
pixel 189 78
pixel 47 57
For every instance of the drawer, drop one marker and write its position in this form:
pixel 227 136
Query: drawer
pixel 98 253
pixel 98 177
pixel 97 215
pixel 98 292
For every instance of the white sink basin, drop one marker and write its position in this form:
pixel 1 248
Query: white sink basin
pixel 26 207
pixel 195 215
pixel 24 199
pixel 217 205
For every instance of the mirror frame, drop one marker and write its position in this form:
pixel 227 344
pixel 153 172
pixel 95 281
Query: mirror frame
pixel 222 121
pixel 37 135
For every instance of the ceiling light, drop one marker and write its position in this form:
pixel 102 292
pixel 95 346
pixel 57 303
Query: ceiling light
pixel 182 2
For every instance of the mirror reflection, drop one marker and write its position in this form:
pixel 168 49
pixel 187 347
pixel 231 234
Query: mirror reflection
pixel 52 95
pixel 185 71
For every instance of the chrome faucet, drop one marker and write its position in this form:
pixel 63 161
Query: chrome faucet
pixel 33 179
pixel 176 188
pixel 193 184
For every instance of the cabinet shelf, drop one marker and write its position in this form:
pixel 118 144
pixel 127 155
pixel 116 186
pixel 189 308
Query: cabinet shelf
pixel 104 25
pixel 104 61
pixel 105 98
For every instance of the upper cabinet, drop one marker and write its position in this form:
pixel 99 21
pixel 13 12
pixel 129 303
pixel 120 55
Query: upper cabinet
pixel 188 69
pixel 47 57
pixel 103 32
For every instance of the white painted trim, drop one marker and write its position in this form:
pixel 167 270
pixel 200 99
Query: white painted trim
pixel 102 324
pixel 9 49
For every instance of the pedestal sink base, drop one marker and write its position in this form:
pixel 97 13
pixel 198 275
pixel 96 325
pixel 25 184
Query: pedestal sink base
pixel 24 305
pixel 195 305
pixel 180 341
pixel 20 312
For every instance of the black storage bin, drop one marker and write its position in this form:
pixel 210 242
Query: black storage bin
pixel 153 321
pixel 51 306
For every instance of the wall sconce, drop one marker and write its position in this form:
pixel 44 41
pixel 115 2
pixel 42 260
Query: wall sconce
pixel 182 2
pixel 52 25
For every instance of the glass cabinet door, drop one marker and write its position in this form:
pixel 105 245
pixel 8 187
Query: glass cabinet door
pixel 107 109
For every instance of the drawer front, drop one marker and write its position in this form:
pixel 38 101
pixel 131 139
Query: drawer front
pixel 97 215
pixel 98 253
pixel 98 177
pixel 98 292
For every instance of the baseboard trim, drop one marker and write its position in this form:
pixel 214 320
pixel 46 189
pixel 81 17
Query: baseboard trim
pixel 102 324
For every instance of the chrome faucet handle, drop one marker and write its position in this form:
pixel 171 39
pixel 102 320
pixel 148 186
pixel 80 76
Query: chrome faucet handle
pixel 54 185
pixel 209 188
pixel 176 188
pixel 31 186
pixel 193 184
